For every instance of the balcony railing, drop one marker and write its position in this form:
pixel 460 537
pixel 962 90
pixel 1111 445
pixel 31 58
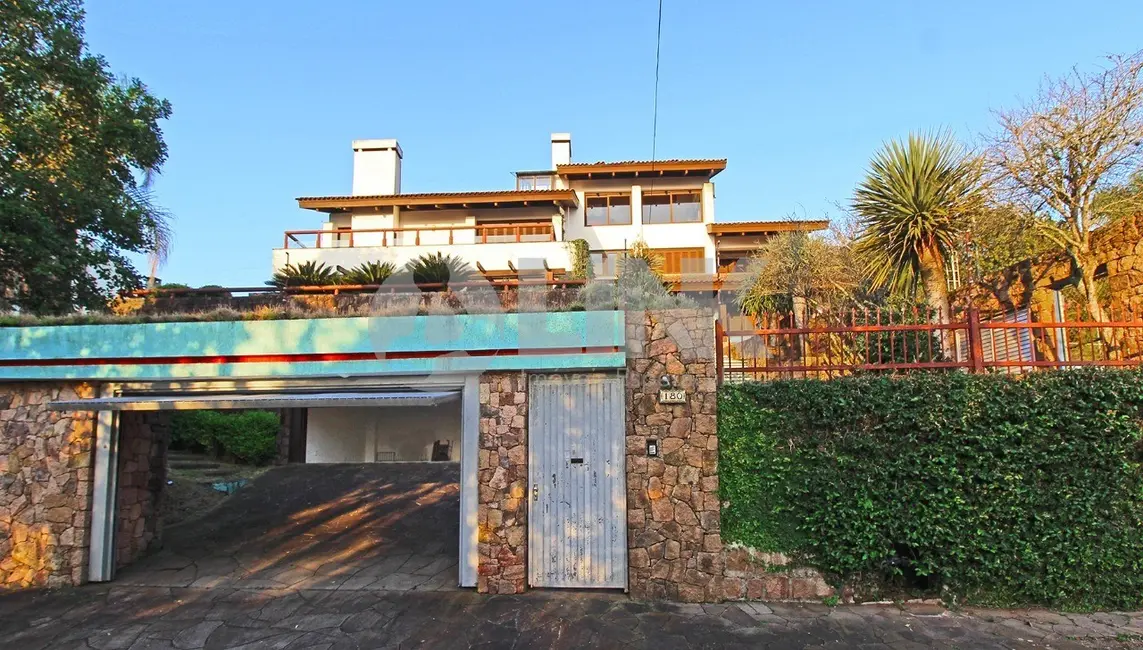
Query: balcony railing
pixel 421 236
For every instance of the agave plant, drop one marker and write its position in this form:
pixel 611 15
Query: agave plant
pixel 368 273
pixel 306 274
pixel 436 268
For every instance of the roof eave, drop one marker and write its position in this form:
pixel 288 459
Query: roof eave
pixel 562 198
pixel 747 228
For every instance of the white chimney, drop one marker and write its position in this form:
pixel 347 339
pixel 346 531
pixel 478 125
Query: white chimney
pixel 561 149
pixel 376 167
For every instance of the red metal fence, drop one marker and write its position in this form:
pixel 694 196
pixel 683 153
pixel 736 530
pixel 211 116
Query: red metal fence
pixel 833 344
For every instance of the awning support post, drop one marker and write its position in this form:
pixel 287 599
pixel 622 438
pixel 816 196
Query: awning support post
pixel 101 552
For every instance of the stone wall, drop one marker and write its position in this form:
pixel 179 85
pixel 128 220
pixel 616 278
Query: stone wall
pixel 751 575
pixel 675 550
pixel 1120 247
pixel 45 486
pixel 143 440
pixel 502 477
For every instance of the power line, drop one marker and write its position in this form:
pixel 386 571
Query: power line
pixel 655 110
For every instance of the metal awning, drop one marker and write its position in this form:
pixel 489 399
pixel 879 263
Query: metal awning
pixel 188 402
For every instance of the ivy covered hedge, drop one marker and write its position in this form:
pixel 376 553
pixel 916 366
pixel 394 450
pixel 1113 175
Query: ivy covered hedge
pixel 246 436
pixel 983 488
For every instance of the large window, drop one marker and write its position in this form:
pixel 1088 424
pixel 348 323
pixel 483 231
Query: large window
pixel 534 182
pixel 606 263
pixel 672 207
pixel 607 210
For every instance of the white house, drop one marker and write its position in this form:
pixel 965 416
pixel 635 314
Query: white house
pixel 670 204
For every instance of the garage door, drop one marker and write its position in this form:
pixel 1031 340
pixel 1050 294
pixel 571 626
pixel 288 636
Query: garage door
pixel 577 520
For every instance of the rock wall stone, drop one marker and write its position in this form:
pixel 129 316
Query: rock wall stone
pixel 750 575
pixel 674 545
pixel 502 479
pixel 143 441
pixel 45 486
pixel 1120 247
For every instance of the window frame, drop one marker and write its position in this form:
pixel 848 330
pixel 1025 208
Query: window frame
pixel 533 177
pixel 604 255
pixel 588 196
pixel 670 194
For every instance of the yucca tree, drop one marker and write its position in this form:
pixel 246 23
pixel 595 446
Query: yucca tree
pixel 911 207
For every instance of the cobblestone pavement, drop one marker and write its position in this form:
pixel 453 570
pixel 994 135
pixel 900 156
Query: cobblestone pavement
pixel 385 526
pixel 136 618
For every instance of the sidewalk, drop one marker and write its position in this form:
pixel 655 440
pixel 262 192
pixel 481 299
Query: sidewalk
pixel 139 618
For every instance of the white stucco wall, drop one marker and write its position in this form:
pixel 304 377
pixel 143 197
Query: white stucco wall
pixel 355 435
pixel 674 235
pixel 492 256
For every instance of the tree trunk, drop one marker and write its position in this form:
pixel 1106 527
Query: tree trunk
pixel 1095 310
pixel 937 296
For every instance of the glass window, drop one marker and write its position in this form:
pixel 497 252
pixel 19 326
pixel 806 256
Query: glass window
pixel 607 210
pixel 533 182
pixel 656 208
pixel 686 208
pixel 672 207
pixel 595 213
pixel 606 263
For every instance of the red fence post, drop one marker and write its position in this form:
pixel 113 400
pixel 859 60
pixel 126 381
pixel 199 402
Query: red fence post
pixel 975 344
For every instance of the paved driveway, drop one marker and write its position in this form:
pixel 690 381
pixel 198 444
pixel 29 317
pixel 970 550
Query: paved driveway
pixel 389 526
pixel 143 618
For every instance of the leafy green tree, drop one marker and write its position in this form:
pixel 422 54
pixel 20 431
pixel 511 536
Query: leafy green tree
pixel 76 147
pixel 1122 200
pixel 797 266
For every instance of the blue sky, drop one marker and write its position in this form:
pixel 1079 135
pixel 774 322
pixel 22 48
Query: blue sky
pixel 268 95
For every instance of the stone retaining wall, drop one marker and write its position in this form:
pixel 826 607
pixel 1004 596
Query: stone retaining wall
pixel 675 549
pixel 45 486
pixel 502 477
pixel 143 440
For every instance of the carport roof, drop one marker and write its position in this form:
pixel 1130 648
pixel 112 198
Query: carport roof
pixel 255 401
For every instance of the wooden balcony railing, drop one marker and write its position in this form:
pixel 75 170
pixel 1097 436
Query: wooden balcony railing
pixel 421 236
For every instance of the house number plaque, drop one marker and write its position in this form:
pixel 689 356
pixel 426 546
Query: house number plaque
pixel 672 396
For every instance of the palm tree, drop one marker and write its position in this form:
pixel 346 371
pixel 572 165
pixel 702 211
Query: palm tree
pixel 367 273
pixel 435 268
pixel 306 274
pixel 910 209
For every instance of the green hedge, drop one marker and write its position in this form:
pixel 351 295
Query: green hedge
pixel 249 436
pixel 985 488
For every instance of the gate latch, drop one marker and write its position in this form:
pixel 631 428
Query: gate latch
pixel 535 492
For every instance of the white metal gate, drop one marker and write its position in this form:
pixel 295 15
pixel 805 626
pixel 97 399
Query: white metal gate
pixel 577 519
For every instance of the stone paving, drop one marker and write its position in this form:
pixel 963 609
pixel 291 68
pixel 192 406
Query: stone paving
pixel 138 618
pixel 387 526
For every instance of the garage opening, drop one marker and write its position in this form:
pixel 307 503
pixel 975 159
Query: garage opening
pixel 375 504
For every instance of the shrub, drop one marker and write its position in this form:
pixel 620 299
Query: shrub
pixel 436 268
pixel 988 488
pixel 580 254
pixel 368 273
pixel 306 274
pixel 249 436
